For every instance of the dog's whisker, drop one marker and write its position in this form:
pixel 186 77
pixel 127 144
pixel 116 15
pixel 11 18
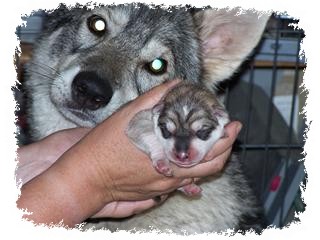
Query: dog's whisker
pixel 44 66
pixel 41 74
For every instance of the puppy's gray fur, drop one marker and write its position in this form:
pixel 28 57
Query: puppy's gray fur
pixel 203 46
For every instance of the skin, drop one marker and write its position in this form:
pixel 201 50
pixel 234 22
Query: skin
pixel 80 173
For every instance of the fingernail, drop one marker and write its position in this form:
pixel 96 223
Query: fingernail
pixel 239 127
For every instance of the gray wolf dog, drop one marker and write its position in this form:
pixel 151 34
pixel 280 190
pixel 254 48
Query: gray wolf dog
pixel 89 62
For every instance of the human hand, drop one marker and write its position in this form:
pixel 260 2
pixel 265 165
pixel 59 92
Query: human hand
pixel 67 188
pixel 214 162
pixel 130 164
pixel 122 209
pixel 122 177
pixel 219 154
pixel 39 156
pixel 59 142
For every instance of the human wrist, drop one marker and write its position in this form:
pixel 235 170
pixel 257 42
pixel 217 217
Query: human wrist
pixel 80 170
pixel 92 162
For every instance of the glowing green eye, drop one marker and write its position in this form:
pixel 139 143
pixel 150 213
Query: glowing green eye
pixel 157 66
pixel 97 25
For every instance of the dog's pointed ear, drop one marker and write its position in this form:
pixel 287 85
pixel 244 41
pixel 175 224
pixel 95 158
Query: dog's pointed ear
pixel 227 37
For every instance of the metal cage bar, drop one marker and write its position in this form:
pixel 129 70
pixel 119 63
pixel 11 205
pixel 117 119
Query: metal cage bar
pixel 290 169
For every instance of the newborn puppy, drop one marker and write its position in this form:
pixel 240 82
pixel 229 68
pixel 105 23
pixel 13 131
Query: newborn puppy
pixel 181 129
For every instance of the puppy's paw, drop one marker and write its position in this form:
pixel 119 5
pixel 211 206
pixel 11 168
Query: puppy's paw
pixel 163 167
pixel 191 190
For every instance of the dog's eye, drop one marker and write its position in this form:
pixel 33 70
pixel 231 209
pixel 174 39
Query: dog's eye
pixel 204 133
pixel 158 66
pixel 97 25
pixel 164 131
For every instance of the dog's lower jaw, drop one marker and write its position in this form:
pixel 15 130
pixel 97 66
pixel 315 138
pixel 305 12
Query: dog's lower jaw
pixel 79 117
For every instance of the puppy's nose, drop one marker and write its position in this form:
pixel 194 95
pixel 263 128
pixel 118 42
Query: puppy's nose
pixel 182 156
pixel 90 91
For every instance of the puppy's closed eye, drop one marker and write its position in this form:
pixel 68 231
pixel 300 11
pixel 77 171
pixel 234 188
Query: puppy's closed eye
pixel 204 133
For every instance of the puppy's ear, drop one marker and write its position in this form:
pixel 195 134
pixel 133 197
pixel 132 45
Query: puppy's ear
pixel 221 114
pixel 227 37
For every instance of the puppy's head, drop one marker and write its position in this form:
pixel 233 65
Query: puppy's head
pixel 188 135
pixel 187 123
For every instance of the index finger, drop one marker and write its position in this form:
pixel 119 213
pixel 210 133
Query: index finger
pixel 153 96
pixel 146 101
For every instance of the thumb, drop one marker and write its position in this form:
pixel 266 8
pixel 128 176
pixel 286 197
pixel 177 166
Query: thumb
pixel 153 96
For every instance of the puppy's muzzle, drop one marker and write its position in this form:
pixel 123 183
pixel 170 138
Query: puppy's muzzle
pixel 90 91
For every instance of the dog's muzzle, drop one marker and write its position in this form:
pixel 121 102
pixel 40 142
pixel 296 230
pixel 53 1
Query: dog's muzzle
pixel 90 91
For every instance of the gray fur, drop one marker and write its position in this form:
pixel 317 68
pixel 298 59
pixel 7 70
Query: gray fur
pixel 200 47
pixel 140 125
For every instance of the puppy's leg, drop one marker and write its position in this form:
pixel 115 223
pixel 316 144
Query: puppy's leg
pixel 162 166
pixel 191 190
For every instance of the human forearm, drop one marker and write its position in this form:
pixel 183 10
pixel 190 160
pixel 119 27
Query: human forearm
pixel 65 192
pixel 35 158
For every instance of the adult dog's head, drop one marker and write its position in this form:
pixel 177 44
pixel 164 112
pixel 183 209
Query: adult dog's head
pixel 89 62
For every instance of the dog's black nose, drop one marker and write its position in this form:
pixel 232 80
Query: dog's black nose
pixel 91 91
